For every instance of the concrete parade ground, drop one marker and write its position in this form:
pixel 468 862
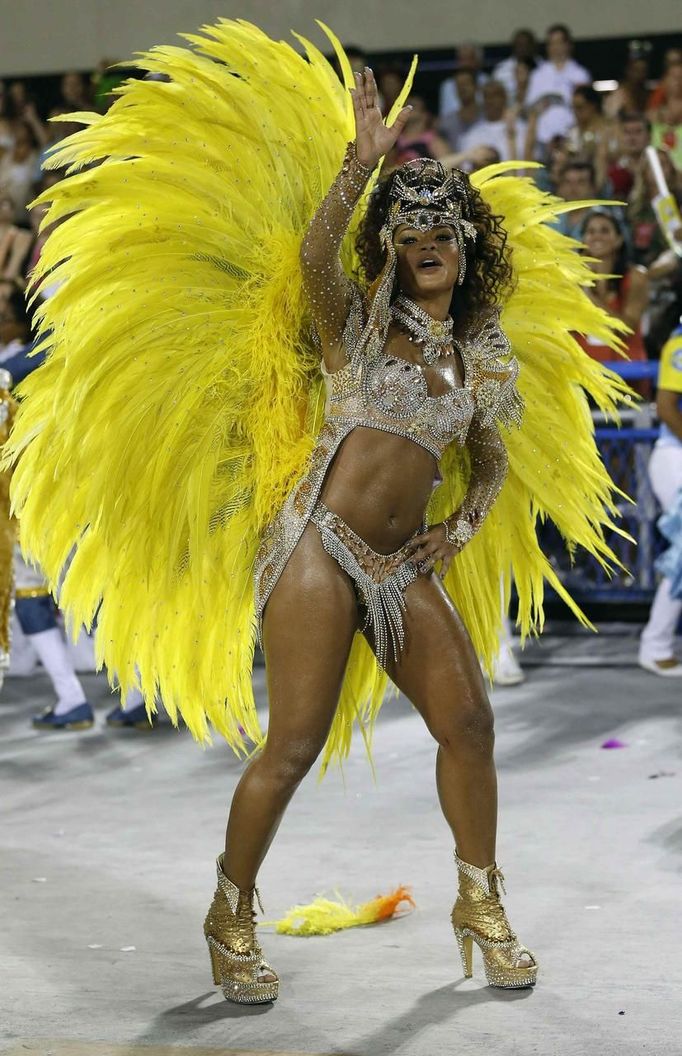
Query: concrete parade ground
pixel 109 838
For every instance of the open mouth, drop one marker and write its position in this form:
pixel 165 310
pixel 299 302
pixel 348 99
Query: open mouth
pixel 429 263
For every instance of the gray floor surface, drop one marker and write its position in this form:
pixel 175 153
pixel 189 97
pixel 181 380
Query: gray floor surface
pixel 108 841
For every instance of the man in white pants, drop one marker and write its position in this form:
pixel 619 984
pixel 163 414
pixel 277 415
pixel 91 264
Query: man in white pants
pixel 656 650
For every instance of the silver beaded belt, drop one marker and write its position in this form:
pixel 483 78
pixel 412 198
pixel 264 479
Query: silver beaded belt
pixel 380 579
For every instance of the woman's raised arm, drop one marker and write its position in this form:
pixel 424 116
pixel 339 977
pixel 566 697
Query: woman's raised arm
pixel 328 289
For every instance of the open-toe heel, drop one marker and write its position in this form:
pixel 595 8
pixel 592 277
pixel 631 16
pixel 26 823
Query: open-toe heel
pixel 478 916
pixel 237 961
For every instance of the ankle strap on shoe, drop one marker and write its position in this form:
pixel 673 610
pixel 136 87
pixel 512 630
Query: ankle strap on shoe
pixel 487 879
pixel 231 891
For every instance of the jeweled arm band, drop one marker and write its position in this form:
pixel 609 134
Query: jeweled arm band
pixel 351 161
pixel 458 531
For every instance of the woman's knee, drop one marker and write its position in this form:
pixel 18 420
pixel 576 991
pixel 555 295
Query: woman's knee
pixel 286 765
pixel 467 725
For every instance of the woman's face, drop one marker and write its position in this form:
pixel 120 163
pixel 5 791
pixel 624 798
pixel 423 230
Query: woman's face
pixel 428 261
pixel 419 117
pixel 522 77
pixel 673 81
pixel 601 238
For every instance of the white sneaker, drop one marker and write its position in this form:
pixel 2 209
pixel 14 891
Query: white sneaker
pixel 506 671
pixel 669 668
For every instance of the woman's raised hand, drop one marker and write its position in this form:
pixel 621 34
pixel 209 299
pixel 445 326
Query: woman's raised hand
pixel 372 138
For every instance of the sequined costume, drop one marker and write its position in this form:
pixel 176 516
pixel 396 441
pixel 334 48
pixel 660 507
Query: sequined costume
pixel 181 406
pixel 377 390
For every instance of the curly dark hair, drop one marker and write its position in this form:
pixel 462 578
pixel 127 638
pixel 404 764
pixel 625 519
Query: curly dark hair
pixel 489 275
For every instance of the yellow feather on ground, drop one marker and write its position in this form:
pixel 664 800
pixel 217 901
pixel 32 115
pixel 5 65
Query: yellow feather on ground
pixel 325 916
pixel 181 395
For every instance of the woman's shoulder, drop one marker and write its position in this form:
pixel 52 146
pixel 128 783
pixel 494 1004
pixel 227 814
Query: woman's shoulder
pixel 485 338
pixel 493 370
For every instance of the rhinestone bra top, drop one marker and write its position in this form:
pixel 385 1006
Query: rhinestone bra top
pixel 381 391
pixel 389 393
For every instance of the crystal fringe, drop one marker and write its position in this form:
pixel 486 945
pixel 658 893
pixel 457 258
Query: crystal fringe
pixel 383 599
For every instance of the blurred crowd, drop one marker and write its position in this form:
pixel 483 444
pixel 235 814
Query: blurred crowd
pixel 540 105
pixel 537 104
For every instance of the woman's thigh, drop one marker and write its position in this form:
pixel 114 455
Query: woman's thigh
pixel 438 670
pixel 308 627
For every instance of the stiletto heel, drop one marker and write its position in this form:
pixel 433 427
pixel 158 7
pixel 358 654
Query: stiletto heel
pixel 479 917
pixel 237 961
pixel 466 952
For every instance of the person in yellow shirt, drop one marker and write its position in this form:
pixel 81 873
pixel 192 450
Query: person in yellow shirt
pixel 656 651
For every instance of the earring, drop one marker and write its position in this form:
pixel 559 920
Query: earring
pixel 462 261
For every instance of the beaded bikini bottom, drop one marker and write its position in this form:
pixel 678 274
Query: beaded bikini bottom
pixel 380 579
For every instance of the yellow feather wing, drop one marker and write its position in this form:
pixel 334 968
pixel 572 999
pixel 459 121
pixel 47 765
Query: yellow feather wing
pixel 181 395
pixel 556 471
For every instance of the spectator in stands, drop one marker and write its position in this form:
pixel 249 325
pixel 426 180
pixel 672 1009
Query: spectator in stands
pixel 576 183
pixel 519 95
pixel 656 647
pixel 657 98
pixel 591 137
pixel 75 92
pixel 6 132
pixel 15 246
pixel 621 288
pixel 17 105
pixel 18 98
pixel 108 76
pixel 390 80
pixel 647 238
pixel 17 168
pixel 524 48
pixel 419 138
pixel 552 84
pixel 15 325
pixel 467 57
pixel 631 95
pixel 56 131
pixel 666 119
pixel 556 157
pixel 499 128
pixel 626 164
pixel 467 112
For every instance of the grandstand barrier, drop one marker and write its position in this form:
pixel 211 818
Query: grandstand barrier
pixel 626 451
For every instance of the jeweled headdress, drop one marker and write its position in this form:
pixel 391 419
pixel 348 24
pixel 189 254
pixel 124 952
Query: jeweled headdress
pixel 424 195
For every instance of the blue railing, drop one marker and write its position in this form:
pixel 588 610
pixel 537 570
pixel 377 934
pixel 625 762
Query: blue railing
pixel 626 453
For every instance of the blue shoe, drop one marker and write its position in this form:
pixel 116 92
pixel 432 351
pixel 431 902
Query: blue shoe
pixel 81 717
pixel 136 718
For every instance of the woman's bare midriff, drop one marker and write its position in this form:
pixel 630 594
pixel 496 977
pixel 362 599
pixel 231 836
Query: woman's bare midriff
pixel 380 484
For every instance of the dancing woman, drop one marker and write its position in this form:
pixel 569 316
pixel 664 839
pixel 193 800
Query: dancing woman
pixel 290 421
pixel 349 551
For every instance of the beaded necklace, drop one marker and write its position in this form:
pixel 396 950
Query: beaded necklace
pixel 434 335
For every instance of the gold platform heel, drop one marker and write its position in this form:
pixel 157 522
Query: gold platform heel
pixel 237 960
pixel 478 916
